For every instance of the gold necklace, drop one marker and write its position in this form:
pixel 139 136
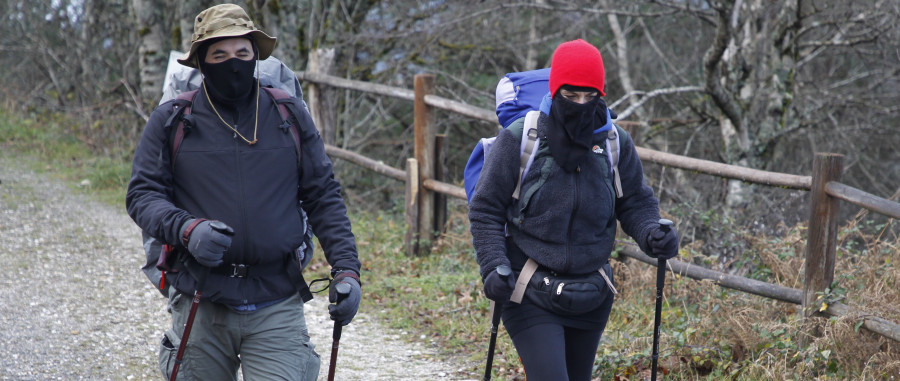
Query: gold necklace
pixel 255 122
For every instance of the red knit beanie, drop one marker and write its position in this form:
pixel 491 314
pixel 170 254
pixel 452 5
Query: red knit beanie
pixel 576 63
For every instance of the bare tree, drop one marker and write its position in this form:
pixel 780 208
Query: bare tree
pixel 760 83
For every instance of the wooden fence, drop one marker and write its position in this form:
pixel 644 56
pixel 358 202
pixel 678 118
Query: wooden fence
pixel 426 191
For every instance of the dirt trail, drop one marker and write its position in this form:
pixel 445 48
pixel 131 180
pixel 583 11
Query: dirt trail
pixel 75 305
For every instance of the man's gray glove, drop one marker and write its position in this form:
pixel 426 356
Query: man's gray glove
pixel 346 301
pixel 206 240
pixel 663 243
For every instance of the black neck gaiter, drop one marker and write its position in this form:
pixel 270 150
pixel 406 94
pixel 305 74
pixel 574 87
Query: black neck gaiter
pixel 230 81
pixel 571 129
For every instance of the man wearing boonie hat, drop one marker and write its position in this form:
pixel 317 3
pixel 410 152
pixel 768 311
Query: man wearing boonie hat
pixel 567 225
pixel 236 169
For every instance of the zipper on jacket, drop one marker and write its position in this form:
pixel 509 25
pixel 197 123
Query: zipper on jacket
pixel 575 179
pixel 236 143
pixel 240 185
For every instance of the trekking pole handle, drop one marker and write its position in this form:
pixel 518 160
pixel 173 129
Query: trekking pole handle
pixel 342 290
pixel 221 227
pixel 503 271
pixel 665 224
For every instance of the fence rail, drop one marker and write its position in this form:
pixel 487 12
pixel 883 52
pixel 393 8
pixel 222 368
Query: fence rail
pixel 424 217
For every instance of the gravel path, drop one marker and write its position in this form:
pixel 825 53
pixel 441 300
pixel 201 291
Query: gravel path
pixel 74 304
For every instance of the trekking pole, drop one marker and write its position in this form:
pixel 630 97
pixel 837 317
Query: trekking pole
pixel 664 225
pixel 198 292
pixel 342 289
pixel 504 271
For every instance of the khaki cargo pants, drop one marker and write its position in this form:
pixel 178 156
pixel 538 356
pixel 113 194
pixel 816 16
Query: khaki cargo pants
pixel 268 344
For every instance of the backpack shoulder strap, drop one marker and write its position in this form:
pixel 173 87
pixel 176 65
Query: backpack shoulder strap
pixel 284 102
pixel 529 141
pixel 181 115
pixel 612 149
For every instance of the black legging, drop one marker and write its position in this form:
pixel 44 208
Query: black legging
pixel 551 352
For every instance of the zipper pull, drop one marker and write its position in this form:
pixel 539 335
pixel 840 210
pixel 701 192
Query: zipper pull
pixel 559 289
pixel 546 281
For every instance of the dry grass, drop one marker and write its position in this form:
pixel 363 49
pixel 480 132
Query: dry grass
pixel 713 333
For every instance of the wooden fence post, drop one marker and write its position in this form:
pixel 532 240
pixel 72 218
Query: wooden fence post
pixel 411 241
pixel 441 173
pixel 321 103
pixel 424 152
pixel 822 232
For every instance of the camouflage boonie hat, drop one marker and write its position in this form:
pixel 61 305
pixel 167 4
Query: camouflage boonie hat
pixel 225 20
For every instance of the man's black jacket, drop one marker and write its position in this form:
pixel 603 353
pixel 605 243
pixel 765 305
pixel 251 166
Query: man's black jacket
pixel 255 189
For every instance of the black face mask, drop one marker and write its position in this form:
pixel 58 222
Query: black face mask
pixel 571 128
pixel 229 81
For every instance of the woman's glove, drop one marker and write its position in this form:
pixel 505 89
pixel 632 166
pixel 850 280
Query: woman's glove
pixel 499 287
pixel 663 243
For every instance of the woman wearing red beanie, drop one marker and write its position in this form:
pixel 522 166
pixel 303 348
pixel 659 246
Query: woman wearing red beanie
pixel 563 226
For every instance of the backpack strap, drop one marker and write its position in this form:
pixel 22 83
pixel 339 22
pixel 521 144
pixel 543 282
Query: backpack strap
pixel 522 281
pixel 285 104
pixel 612 147
pixel 529 141
pixel 181 114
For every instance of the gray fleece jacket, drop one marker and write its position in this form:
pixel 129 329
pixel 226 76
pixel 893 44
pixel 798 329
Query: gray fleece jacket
pixel 564 221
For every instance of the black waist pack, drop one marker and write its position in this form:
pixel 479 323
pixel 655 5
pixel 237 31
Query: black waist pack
pixel 570 294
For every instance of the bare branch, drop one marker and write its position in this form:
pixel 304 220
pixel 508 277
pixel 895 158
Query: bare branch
pixel 138 103
pixel 655 93
pixel 596 11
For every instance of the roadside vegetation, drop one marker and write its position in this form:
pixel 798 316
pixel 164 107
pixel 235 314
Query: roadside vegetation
pixel 708 332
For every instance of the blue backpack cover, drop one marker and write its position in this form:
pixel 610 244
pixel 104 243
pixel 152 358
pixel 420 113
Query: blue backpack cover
pixel 516 95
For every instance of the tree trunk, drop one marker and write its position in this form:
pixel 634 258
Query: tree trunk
pixel 321 98
pixel 281 21
pixel 746 75
pixel 186 11
pixel 153 55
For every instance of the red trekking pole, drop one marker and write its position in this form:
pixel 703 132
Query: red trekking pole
pixel 342 289
pixel 198 293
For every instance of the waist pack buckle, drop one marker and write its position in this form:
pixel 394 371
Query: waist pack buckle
pixel 239 270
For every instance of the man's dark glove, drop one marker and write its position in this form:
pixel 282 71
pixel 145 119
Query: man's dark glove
pixel 663 243
pixel 206 244
pixel 346 305
pixel 497 287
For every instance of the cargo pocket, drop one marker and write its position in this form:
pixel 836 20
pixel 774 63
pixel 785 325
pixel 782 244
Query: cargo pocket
pixel 168 347
pixel 310 360
pixel 167 352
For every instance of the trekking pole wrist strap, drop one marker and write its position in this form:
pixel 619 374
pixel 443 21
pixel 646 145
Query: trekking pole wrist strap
pixel 186 235
pixel 340 274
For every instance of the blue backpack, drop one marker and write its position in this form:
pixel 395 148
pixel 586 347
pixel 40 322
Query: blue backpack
pixel 526 94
